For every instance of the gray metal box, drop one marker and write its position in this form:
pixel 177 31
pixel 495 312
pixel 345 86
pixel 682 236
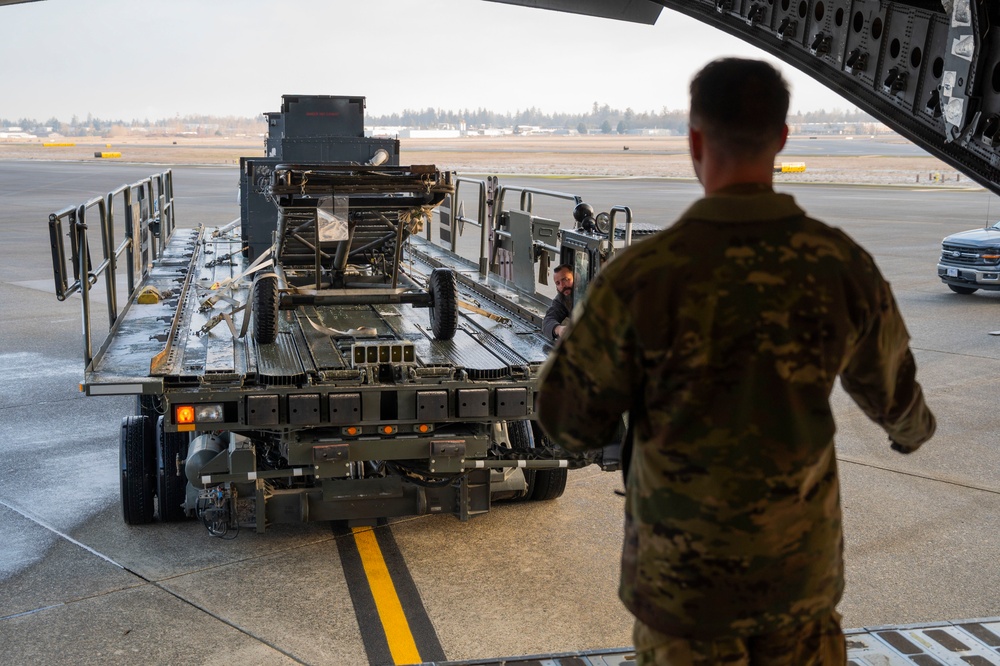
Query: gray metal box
pixel 322 115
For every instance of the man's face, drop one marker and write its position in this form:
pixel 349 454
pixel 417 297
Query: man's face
pixel 564 282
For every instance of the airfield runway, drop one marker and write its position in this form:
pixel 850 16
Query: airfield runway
pixel 77 586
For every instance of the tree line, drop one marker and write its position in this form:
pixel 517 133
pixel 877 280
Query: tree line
pixel 601 118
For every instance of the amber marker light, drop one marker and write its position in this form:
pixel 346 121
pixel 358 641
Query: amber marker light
pixel 351 430
pixel 184 417
pixel 423 427
pixel 388 430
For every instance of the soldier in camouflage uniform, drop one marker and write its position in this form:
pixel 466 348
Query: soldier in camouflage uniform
pixel 722 337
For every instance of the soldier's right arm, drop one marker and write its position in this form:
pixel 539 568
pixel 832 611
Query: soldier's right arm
pixel 586 384
pixel 881 377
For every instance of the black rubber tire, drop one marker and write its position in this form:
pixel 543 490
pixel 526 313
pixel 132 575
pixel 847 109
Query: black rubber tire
pixel 144 406
pixel 171 488
pixel 443 287
pixel 136 461
pixel 965 291
pixel 265 309
pixel 521 437
pixel 549 484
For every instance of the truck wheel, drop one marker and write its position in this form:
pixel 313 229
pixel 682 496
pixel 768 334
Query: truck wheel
pixel 549 484
pixel 144 406
pixel 265 309
pixel 171 483
pixel 965 291
pixel 444 303
pixel 521 437
pixel 136 461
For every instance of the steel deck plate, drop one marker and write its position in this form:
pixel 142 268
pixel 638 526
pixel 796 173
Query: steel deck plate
pixel 959 643
pixel 494 334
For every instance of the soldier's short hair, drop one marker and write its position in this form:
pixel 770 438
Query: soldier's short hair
pixel 562 267
pixel 739 104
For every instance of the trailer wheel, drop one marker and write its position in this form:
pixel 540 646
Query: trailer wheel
pixel 145 406
pixel 549 484
pixel 521 437
pixel 444 303
pixel 265 309
pixel 171 484
pixel 136 461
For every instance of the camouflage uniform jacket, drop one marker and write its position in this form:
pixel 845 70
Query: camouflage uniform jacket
pixel 722 337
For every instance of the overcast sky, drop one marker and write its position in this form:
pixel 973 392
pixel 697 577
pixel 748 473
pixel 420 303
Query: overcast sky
pixel 135 59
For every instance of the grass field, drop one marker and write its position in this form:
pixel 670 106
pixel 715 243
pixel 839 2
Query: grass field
pixel 617 156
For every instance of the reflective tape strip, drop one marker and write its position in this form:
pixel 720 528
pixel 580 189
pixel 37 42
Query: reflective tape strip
pixel 206 479
pixel 298 471
pixel 114 389
pixel 251 476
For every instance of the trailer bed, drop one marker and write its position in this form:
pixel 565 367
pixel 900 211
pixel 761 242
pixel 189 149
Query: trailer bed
pixel 191 334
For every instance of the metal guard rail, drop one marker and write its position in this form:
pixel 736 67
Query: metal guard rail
pixel 149 222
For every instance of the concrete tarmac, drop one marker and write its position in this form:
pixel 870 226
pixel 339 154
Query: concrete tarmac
pixel 77 586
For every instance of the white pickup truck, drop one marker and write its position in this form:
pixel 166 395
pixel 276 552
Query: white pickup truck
pixel 970 260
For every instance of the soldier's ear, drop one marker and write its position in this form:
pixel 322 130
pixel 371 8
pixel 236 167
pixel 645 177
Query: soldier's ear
pixel 695 143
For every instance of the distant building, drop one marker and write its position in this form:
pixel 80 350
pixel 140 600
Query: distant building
pixel 429 134
pixel 489 131
pixel 386 131
pixel 651 131
pixel 840 128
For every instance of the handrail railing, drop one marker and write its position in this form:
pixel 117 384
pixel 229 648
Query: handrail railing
pixel 526 196
pixel 628 225
pixel 147 230
pixel 526 204
pixel 480 221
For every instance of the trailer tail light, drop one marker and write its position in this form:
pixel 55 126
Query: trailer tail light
pixel 184 415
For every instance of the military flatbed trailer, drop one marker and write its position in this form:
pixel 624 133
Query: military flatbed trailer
pixel 356 407
pixel 324 356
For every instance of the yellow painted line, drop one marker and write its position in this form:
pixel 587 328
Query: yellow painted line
pixel 390 611
pixel 58 145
